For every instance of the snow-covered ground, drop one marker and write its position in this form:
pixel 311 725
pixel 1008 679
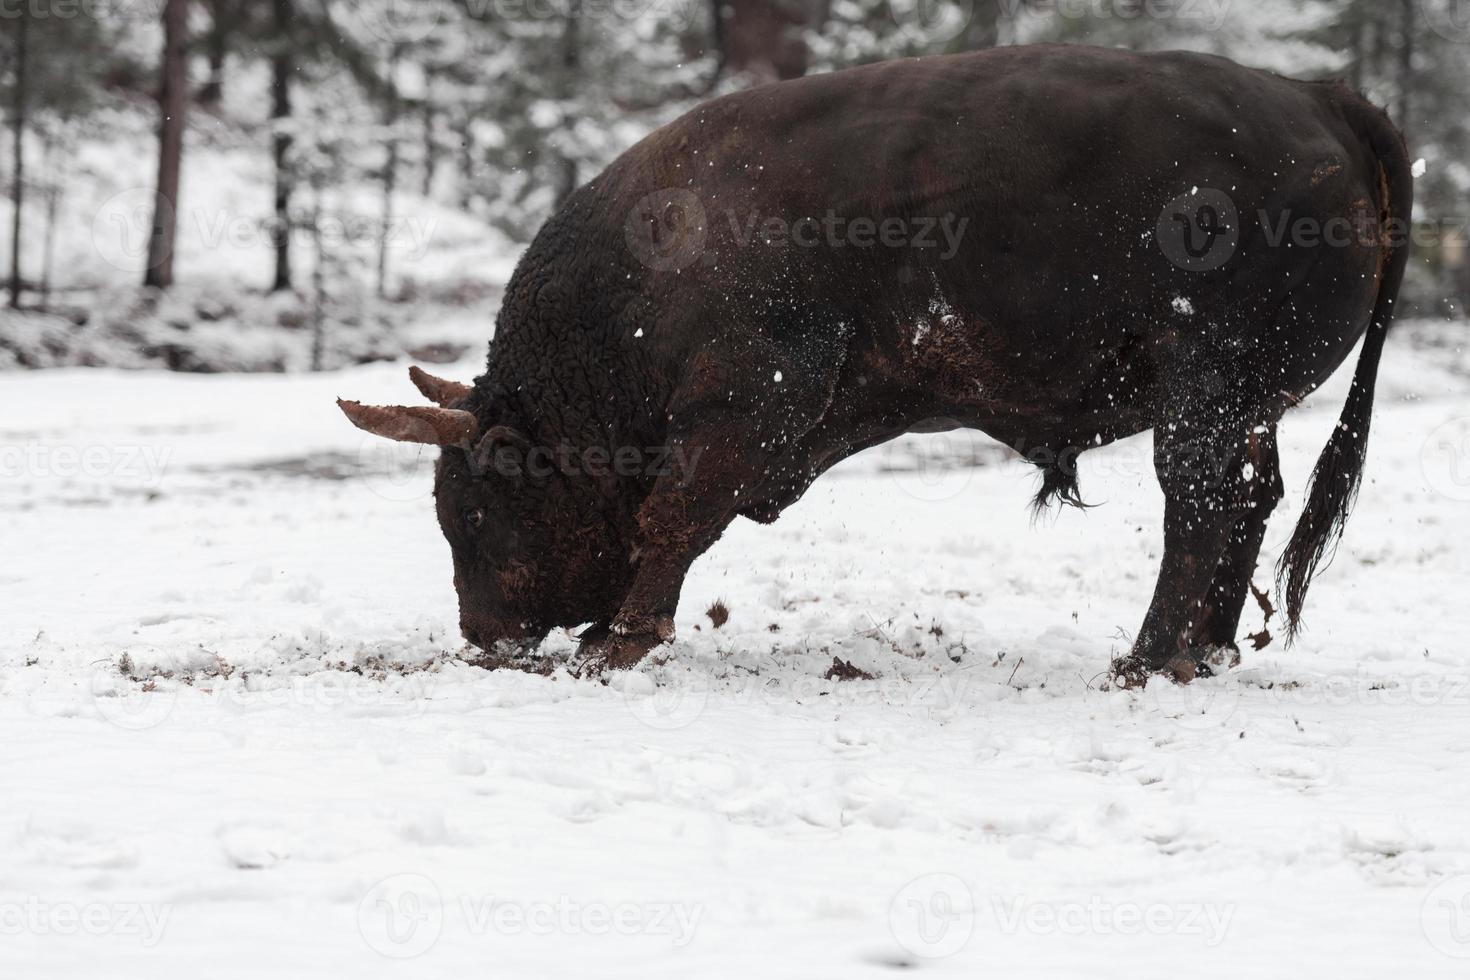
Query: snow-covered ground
pixel 237 737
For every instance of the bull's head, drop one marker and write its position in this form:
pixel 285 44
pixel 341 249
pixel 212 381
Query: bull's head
pixel 532 549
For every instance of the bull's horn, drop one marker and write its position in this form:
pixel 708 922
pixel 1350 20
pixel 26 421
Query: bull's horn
pixel 437 390
pixel 430 426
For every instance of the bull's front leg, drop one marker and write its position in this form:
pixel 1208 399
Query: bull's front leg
pixel 728 428
pixel 687 511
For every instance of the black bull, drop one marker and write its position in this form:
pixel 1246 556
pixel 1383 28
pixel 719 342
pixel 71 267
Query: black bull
pixel 1059 246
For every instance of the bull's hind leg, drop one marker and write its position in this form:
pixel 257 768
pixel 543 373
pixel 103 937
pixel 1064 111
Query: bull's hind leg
pixel 1203 458
pixel 1220 623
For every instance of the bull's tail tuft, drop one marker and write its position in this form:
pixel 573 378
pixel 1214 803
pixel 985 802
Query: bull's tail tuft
pixel 1058 485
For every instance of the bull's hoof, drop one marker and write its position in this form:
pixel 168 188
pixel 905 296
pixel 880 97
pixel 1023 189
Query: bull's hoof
pixel 1215 659
pixel 1181 669
pixel 604 650
pixel 1133 672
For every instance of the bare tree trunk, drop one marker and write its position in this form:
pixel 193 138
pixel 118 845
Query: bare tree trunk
pixel 431 160
pixel 1357 43
pixel 1379 49
pixel 172 101
pixel 390 174
pixel 53 199
pixel 1464 282
pixel 217 47
pixel 17 189
pixel 571 62
pixel 466 161
pixel 1406 62
pixel 281 142
pixel 48 257
pixel 983 30
pixel 764 38
pixel 318 278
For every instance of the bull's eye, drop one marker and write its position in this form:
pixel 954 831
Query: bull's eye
pixel 474 518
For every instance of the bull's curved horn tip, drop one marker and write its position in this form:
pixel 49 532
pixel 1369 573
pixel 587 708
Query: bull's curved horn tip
pixel 441 391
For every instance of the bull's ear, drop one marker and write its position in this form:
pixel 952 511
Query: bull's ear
pixel 502 451
pixel 440 391
pixel 430 426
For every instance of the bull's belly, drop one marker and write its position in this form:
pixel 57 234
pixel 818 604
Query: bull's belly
pixel 962 371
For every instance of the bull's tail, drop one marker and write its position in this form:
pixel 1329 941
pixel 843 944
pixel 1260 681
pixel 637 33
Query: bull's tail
pixel 1339 470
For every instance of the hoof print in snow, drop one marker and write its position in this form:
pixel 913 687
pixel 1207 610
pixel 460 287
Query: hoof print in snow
pixel 517 659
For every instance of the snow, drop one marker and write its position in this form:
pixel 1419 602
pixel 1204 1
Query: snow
pixel 239 740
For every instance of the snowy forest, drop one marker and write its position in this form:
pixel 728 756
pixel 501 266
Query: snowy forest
pixel 294 184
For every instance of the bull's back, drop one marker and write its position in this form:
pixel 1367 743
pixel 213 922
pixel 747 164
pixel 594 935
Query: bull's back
pixel 1053 165
pixel 1057 156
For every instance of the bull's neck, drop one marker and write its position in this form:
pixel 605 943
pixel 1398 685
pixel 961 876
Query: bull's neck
pixel 575 389
pixel 564 356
